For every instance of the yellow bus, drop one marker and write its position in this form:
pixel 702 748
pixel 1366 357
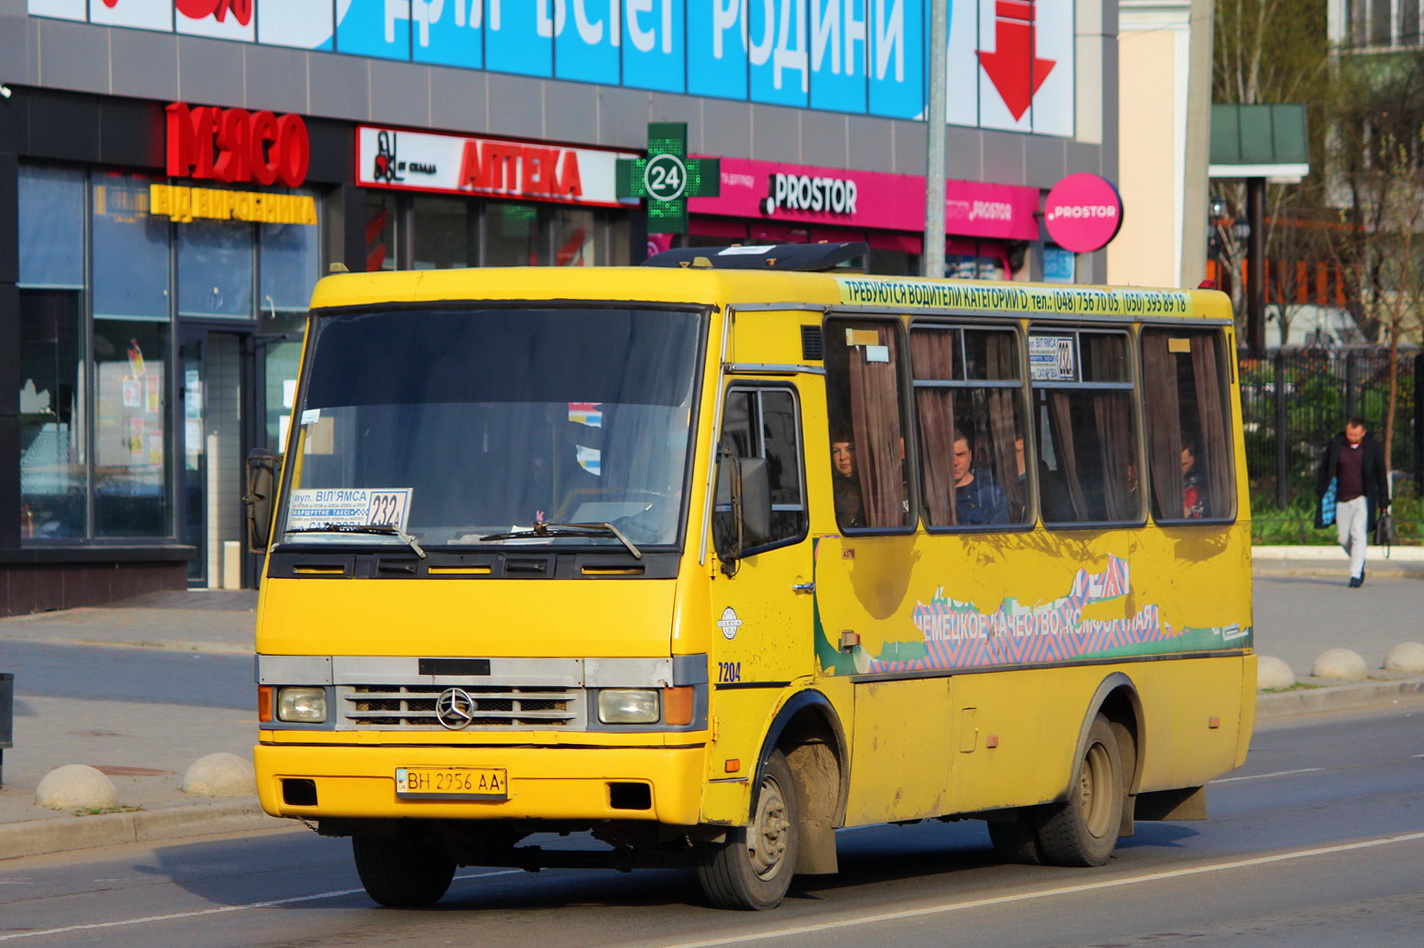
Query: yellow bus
pixel 700 561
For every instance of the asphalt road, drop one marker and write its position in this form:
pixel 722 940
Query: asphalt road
pixel 1319 840
pixel 107 673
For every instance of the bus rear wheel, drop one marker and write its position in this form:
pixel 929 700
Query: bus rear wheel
pixel 400 872
pixel 752 868
pixel 1083 830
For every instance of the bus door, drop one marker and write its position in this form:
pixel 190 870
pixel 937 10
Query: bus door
pixel 762 600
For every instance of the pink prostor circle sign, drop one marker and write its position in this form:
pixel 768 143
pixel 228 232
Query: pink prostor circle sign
pixel 1083 212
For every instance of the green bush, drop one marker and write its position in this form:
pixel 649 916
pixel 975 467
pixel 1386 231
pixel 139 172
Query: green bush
pixel 1295 526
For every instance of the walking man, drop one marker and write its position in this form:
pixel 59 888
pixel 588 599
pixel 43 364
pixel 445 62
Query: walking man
pixel 1355 461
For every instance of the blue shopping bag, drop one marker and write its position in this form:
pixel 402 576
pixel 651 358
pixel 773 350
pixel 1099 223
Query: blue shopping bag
pixel 1325 510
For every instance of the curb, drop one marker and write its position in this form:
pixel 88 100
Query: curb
pixel 1331 561
pixel 43 837
pixel 1342 697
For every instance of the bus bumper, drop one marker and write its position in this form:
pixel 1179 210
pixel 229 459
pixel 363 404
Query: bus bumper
pixel 563 783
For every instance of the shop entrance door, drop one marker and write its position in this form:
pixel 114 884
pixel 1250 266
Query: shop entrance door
pixel 215 388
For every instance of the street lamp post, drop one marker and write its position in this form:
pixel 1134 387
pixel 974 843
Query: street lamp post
pixel 933 259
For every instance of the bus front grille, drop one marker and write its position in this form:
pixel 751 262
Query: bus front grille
pixel 414 706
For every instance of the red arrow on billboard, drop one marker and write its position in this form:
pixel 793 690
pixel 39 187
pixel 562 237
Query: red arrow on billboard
pixel 1013 66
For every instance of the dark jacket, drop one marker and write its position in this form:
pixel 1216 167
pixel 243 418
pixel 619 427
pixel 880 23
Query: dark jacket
pixel 1371 469
pixel 981 500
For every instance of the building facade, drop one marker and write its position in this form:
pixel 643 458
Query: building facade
pixel 175 175
pixel 1164 61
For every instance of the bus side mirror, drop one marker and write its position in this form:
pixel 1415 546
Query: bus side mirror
pixel 261 485
pixel 756 501
pixel 743 504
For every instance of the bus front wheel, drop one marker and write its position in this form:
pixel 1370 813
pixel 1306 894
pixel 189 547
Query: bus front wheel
pixel 752 868
pixel 400 872
pixel 1083 830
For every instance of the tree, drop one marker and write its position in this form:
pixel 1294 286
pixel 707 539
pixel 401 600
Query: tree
pixel 1376 160
pixel 1269 51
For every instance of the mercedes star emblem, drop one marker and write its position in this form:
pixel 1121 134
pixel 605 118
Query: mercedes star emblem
pixel 455 709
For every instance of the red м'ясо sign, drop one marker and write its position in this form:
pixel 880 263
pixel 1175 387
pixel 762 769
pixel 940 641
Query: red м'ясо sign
pixel 237 146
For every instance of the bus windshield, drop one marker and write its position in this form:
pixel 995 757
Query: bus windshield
pixel 487 426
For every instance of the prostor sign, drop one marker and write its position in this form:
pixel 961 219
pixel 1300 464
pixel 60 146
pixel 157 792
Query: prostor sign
pixel 1083 212
pixel 800 192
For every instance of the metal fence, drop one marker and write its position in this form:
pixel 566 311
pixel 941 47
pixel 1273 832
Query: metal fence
pixel 1294 400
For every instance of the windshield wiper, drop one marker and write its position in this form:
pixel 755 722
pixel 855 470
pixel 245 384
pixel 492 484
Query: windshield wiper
pixel 541 529
pixel 378 529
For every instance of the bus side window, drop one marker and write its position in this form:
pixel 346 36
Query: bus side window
pixel 1083 415
pixel 862 359
pixel 968 395
pixel 765 423
pixel 1189 447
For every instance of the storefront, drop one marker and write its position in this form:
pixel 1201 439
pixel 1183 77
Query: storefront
pixel 160 299
pixel 159 302
pixel 436 200
pixel 988 226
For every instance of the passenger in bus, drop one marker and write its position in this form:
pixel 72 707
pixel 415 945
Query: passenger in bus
pixel 1193 493
pixel 1019 505
pixel 1132 482
pixel 850 505
pixel 977 499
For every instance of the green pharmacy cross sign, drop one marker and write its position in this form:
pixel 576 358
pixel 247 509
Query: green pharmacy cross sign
pixel 667 177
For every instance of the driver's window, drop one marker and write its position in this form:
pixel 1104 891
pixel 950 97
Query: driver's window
pixel 765 423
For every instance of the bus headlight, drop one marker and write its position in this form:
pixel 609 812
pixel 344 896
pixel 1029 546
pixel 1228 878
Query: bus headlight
pixel 628 706
pixel 301 705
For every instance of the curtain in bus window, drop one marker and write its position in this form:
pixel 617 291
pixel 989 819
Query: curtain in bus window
pixel 1006 441
pixel 1113 413
pixel 1061 425
pixel 1105 360
pixel 1164 444
pixel 875 423
pixel 1212 418
pixel 932 355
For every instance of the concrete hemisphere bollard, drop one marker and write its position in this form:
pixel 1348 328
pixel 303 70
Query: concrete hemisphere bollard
pixel 1342 664
pixel 220 775
pixel 76 787
pixel 1272 674
pixel 1405 657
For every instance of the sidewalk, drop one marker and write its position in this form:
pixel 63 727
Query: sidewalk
pixel 145 748
pixel 1329 561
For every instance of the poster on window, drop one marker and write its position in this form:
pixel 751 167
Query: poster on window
pixel 1051 358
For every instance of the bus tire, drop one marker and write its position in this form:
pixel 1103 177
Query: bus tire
pixel 752 868
pixel 1083 830
pixel 400 872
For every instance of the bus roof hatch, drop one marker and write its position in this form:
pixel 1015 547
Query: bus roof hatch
pixel 804 257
